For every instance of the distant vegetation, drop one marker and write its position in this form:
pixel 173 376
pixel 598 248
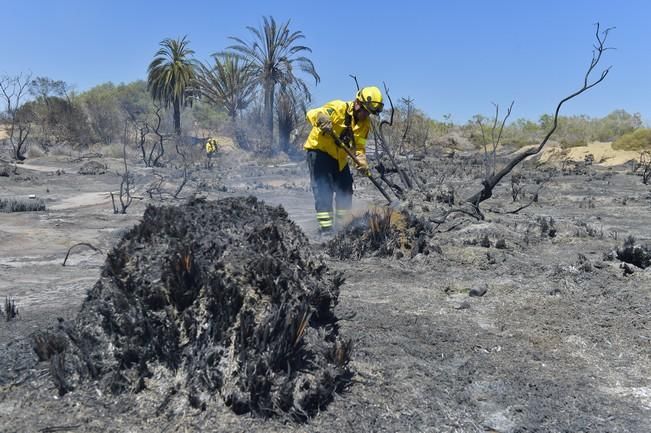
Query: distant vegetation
pixel 572 130
pixel 245 90
pixel 638 140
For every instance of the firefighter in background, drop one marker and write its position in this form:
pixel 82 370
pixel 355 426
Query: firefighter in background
pixel 211 150
pixel 328 163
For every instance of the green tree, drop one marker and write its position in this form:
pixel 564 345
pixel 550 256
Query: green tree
pixel 102 107
pixel 207 116
pixel 616 124
pixel 273 54
pixel 170 76
pixel 229 83
pixel 43 88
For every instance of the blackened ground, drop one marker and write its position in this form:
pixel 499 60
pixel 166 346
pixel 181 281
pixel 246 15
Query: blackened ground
pixel 559 342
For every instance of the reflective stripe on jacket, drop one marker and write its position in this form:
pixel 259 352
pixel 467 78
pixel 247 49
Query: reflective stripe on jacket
pixel 337 110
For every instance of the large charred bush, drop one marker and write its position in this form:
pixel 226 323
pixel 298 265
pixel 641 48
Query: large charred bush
pixel 225 295
pixel 381 233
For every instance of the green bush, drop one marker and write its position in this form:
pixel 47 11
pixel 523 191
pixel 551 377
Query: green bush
pixel 8 205
pixel 638 140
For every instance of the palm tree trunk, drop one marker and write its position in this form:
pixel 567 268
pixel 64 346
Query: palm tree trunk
pixel 268 111
pixel 284 131
pixel 177 117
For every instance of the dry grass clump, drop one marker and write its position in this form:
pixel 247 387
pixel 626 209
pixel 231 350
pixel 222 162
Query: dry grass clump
pixel 9 205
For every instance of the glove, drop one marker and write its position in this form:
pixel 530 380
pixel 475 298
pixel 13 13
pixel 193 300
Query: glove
pixel 324 123
pixel 362 163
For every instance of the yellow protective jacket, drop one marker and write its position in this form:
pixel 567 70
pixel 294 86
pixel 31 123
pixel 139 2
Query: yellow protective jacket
pixel 324 142
pixel 211 146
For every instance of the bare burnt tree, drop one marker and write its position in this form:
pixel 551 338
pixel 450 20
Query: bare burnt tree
pixel 158 149
pixel 380 138
pixel 644 166
pixel 409 108
pixel 407 133
pixel 151 152
pixel 470 206
pixel 157 190
pixel 142 131
pixel 490 149
pixel 13 90
pixel 144 123
pixel 126 187
pixel 491 181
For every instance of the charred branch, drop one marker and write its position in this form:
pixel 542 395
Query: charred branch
pixel 86 244
pixel 441 219
pixel 491 181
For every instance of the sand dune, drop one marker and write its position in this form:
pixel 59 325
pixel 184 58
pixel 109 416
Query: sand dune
pixel 603 153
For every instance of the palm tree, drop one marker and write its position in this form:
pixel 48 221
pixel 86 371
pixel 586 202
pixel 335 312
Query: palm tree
pixel 171 74
pixel 273 53
pixel 228 84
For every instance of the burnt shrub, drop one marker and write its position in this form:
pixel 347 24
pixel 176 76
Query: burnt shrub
pixel 92 167
pixel 633 253
pixel 9 205
pixel 11 311
pixel 381 233
pixel 547 226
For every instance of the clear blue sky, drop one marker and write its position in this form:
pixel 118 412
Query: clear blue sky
pixel 450 56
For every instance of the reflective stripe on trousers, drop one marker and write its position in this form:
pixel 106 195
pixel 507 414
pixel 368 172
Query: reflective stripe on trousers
pixel 324 219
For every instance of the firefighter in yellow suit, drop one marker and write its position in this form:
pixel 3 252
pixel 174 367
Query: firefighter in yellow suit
pixel 328 163
pixel 211 147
